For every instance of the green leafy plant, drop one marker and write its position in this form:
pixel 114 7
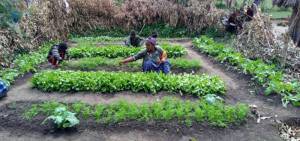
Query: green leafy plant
pixel 109 82
pixel 94 63
pixel 88 50
pixel 25 63
pixel 62 118
pixel 97 39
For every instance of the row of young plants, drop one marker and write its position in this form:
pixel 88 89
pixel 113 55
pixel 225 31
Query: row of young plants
pixel 266 75
pixel 114 51
pixel 111 82
pixel 98 39
pixel 94 63
pixel 25 63
pixel 166 110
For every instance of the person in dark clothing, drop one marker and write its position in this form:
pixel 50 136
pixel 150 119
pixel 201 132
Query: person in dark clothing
pixel 231 24
pixel 154 35
pixel 57 54
pixel 134 40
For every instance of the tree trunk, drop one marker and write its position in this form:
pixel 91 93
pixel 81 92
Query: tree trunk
pixel 295 25
pixel 230 3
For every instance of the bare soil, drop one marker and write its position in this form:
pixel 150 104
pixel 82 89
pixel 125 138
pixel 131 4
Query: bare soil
pixel 240 89
pixel 14 127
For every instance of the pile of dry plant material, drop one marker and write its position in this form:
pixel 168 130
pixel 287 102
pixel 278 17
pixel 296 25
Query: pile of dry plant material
pixel 192 14
pixel 45 20
pixel 52 20
pixel 11 43
pixel 289 54
pixel 42 21
pixel 90 14
pixel 257 41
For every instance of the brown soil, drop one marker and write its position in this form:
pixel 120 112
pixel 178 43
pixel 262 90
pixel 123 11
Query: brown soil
pixel 240 88
pixel 14 127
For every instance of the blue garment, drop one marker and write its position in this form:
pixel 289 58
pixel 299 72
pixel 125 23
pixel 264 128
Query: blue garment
pixel 3 89
pixel 16 16
pixel 257 2
pixel 152 66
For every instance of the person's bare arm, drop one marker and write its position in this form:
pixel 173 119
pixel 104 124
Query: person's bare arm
pixel 139 55
pixel 127 60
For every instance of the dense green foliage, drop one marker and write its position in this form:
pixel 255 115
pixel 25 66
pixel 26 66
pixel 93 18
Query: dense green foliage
pixel 88 64
pixel 25 63
pixel 110 82
pixel 265 74
pixel 168 109
pixel 88 50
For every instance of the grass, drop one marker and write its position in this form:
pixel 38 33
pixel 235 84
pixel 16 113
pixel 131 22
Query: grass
pixel 111 82
pixel 165 110
pixel 280 14
pixel 89 64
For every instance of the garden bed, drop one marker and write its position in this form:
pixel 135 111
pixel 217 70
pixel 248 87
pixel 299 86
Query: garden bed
pixel 109 82
pixel 178 65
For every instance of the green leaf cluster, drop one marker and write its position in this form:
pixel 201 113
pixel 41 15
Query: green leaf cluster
pixel 88 50
pixel 62 118
pixel 25 63
pixel 88 64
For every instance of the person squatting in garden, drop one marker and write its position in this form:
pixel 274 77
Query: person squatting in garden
pixel 154 58
pixel 134 40
pixel 57 54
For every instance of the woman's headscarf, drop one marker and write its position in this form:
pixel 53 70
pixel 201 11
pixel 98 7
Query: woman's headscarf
pixel 151 40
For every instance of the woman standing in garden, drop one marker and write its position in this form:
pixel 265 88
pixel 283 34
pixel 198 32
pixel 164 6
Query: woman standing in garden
pixel 154 58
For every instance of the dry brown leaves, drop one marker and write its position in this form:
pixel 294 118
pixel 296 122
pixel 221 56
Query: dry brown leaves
pixel 257 40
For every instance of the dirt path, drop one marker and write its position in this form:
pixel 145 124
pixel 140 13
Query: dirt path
pixel 239 89
pixel 23 91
